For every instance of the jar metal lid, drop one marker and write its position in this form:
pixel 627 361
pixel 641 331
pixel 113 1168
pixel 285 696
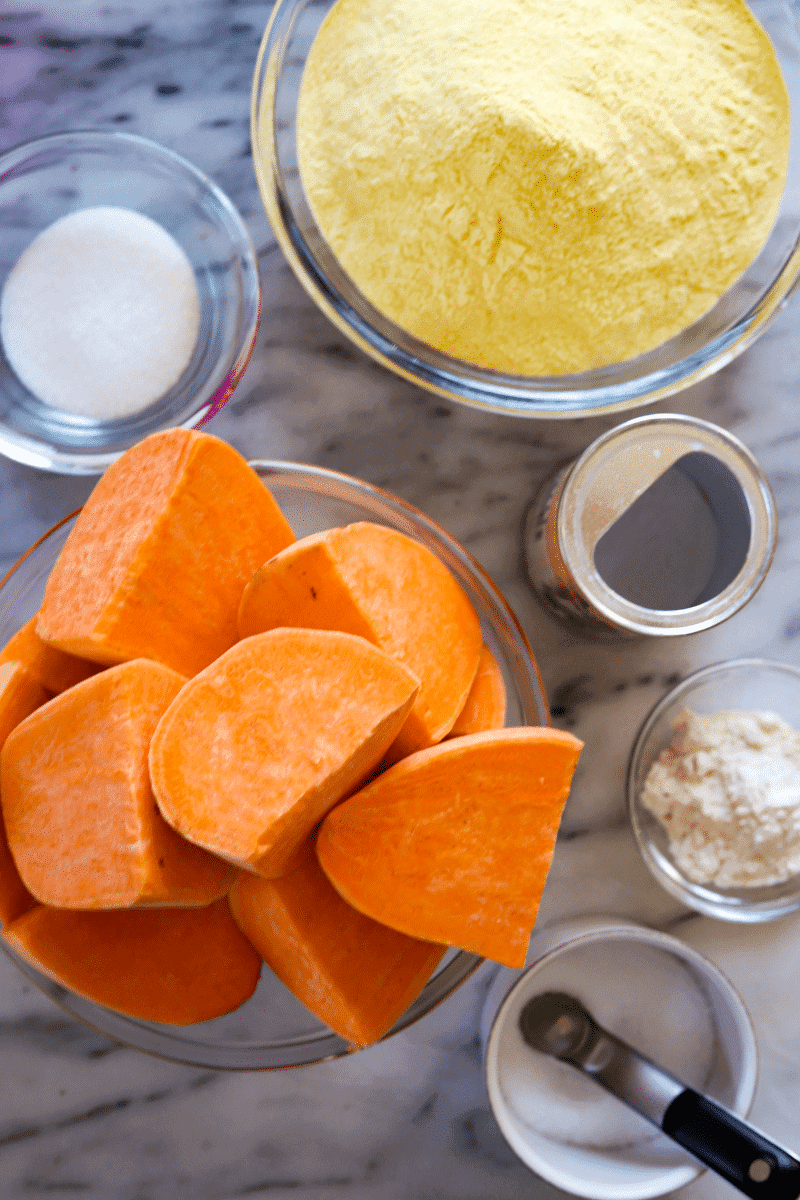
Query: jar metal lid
pixel 602 487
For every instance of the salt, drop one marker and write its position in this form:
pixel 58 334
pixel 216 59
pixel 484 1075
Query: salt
pixel 642 994
pixel 100 314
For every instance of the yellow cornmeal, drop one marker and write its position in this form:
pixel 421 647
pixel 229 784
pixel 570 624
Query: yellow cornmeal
pixel 543 186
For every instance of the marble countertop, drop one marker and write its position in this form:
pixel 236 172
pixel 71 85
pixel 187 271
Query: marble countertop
pixel 80 1115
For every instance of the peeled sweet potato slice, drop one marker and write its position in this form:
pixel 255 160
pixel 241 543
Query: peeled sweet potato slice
pixel 20 695
pixel 156 562
pixel 454 844
pixel 384 586
pixel 80 816
pixel 15 899
pixel 256 748
pixel 176 966
pixel 485 707
pixel 357 976
pixel 54 670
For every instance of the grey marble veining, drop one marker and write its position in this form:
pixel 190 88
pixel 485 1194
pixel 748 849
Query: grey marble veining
pixel 80 1115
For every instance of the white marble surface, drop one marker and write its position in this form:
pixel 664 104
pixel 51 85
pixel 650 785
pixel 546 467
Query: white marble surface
pixel 410 1117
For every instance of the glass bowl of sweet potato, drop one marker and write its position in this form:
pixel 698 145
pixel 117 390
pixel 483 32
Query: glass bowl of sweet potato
pixel 272 1028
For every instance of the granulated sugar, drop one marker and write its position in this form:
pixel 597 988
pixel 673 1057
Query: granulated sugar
pixel 100 314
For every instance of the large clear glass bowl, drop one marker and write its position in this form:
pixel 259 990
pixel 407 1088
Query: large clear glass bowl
pixel 749 684
pixel 730 327
pixel 45 179
pixel 273 1029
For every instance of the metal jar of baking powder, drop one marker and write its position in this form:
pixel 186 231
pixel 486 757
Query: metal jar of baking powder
pixel 665 525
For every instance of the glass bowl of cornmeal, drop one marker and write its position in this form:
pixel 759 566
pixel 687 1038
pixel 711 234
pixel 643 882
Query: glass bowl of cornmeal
pixel 129 297
pixel 714 790
pixel 273 1029
pixel 553 210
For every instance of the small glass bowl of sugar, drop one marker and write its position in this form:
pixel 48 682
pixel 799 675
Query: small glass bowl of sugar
pixel 714 790
pixel 129 298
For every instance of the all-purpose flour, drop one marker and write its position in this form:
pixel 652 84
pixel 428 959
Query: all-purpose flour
pixel 727 790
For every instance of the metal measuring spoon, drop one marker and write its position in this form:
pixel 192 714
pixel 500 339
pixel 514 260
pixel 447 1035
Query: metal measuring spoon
pixel 558 1025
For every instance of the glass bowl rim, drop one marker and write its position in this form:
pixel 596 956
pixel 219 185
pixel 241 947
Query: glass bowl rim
pixel 710 902
pixel 37 452
pixel 544 397
pixel 165 1042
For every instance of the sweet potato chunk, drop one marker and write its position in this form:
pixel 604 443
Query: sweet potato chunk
pixel 357 976
pixel 485 707
pixel 177 965
pixel 155 564
pixel 80 816
pixel 20 695
pixel 454 843
pixel 54 670
pixel 15 899
pixel 256 748
pixel 386 587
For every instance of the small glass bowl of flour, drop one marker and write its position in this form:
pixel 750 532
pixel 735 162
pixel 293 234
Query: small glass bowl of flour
pixel 129 297
pixel 714 790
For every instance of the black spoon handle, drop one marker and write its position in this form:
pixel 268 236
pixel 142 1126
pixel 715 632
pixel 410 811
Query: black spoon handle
pixel 736 1151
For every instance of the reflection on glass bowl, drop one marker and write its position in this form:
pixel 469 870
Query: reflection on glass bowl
pixel 46 179
pixel 273 1029
pixel 748 684
pixel 729 328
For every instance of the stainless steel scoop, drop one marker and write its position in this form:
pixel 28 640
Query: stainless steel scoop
pixel 558 1025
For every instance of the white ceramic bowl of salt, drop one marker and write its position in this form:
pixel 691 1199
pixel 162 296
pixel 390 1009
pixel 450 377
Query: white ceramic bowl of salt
pixel 654 992
pixel 129 297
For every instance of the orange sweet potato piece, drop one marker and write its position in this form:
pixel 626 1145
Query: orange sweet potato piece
pixel 384 586
pixel 15 899
pixel 255 749
pixel 454 844
pixel 80 816
pixel 54 670
pixel 156 562
pixel 485 707
pixel 177 965
pixel 20 694
pixel 356 975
